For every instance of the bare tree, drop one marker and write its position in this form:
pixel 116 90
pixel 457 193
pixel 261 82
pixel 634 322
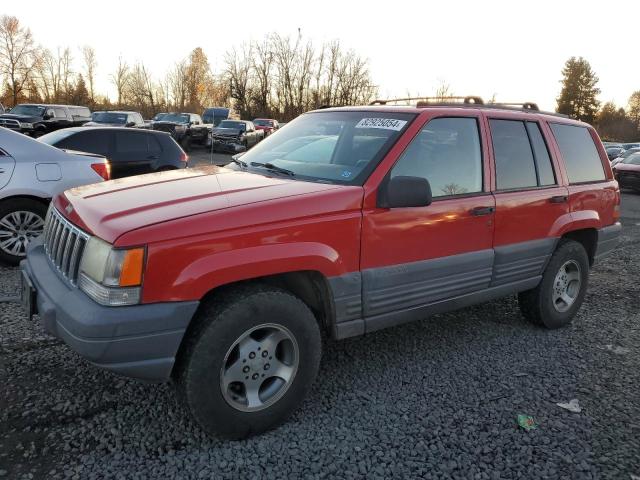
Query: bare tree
pixel 177 84
pixel 90 65
pixel 140 88
pixel 17 54
pixel 120 79
pixel 443 91
pixel 237 73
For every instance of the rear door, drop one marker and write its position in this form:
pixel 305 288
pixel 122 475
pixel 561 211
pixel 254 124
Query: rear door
pixel 416 256
pixel 131 155
pixel 530 199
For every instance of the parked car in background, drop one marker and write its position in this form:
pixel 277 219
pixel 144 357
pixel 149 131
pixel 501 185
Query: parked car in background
pixel 627 146
pixel 31 173
pixel 235 135
pixel 116 119
pixel 214 115
pixel 159 116
pixel 624 154
pixel 613 152
pixel 267 125
pixel 130 151
pixel 37 119
pixel 185 128
pixel 627 172
pixel 225 279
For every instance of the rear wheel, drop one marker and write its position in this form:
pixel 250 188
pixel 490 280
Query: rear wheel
pixel 21 220
pixel 558 297
pixel 249 362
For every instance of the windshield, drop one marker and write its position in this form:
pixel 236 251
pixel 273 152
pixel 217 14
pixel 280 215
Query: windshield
pixel 109 117
pixel 31 110
pixel 232 124
pixel 159 116
pixel 338 147
pixel 262 123
pixel 176 118
pixel 57 136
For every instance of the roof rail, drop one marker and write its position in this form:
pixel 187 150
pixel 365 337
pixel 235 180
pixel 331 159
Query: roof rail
pixel 523 105
pixel 424 101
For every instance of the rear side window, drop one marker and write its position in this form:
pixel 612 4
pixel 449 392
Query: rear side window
pixel 541 155
pixel 154 145
pixel 60 112
pixel 131 142
pixel 579 152
pixel 90 141
pixel 515 166
pixel 447 153
pixel 521 155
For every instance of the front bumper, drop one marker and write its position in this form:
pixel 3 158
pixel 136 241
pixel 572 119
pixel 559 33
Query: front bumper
pixel 138 341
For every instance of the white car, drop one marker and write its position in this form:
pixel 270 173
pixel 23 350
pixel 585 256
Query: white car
pixel 31 173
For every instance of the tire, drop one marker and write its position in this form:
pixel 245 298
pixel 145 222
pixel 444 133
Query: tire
pixel 210 356
pixel 21 219
pixel 542 305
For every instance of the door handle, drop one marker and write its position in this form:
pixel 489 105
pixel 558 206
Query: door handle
pixel 559 199
pixel 479 211
pixel 153 157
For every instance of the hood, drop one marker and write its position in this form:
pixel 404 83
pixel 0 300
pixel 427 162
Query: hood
pixel 111 209
pixel 22 118
pixel 226 132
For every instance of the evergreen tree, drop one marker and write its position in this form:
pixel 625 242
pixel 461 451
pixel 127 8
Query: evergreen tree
pixel 80 94
pixel 579 91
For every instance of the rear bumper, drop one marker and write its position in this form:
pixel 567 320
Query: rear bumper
pixel 139 341
pixel 608 239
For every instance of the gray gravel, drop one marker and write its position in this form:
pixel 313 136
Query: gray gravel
pixel 433 399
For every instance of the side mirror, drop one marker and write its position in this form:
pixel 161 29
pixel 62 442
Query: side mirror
pixel 47 116
pixel 402 192
pixel 130 124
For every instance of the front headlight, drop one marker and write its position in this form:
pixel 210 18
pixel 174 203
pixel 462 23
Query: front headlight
pixel 111 277
pixel 26 125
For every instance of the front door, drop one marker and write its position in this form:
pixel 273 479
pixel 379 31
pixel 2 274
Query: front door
pixel 417 256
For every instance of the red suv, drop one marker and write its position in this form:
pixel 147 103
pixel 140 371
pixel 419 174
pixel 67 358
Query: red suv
pixel 267 125
pixel 348 221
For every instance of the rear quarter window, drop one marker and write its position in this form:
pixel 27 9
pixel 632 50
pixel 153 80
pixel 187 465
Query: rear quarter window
pixel 579 152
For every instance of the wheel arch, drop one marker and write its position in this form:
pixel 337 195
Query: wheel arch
pixel 587 237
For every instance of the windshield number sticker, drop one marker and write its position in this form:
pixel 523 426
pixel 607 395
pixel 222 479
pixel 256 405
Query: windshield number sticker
pixel 384 123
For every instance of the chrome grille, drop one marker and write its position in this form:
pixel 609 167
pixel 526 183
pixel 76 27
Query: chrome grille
pixel 64 244
pixel 10 123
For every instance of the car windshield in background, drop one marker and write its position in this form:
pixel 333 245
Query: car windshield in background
pixel 632 159
pixel 56 136
pixel 232 124
pixel 337 147
pixel 109 117
pixel 31 110
pixel 159 116
pixel 262 123
pixel 175 118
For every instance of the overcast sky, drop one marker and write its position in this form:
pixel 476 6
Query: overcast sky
pixel 513 49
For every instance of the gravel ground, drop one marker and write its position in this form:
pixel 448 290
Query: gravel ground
pixel 433 399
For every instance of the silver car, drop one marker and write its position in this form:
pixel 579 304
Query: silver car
pixel 31 173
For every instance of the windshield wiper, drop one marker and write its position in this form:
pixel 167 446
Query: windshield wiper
pixel 239 162
pixel 274 168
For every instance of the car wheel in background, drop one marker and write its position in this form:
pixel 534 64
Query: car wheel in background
pixel 21 220
pixel 249 362
pixel 558 297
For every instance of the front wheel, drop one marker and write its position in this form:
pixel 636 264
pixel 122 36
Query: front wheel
pixel 21 220
pixel 558 297
pixel 249 362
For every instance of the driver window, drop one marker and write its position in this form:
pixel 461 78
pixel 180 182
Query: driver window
pixel 447 153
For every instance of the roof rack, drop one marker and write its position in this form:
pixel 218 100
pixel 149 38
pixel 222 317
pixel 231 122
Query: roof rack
pixel 468 101
pixel 424 101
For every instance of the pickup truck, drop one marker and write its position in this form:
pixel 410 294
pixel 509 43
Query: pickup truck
pixel 118 118
pixel 347 221
pixel 235 135
pixel 185 128
pixel 37 119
